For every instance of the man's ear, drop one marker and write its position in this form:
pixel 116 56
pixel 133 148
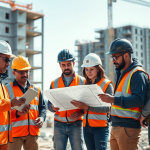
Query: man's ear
pixel 73 63
pixel 126 55
pixel 13 73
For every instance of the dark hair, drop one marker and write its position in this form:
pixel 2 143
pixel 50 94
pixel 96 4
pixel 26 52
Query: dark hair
pixel 101 74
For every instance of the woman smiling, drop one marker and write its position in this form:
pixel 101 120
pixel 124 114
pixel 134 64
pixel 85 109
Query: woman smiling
pixel 95 121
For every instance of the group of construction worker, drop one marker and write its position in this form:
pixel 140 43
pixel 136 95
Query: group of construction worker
pixel 129 101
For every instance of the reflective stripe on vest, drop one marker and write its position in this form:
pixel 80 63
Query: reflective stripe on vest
pixel 97 119
pixel 118 111
pixel 104 84
pixel 3 128
pixel 96 116
pixel 32 122
pixel 34 107
pixel 10 90
pixel 23 123
pixel 20 123
pixel 125 113
pixel 58 83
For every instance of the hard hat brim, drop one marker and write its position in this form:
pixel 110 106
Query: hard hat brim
pixel 71 59
pixel 11 55
pixel 89 65
pixel 26 68
pixel 109 53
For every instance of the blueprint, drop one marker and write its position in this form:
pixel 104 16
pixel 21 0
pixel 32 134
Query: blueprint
pixel 88 94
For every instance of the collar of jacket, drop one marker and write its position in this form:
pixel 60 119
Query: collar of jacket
pixel 16 83
pixel 96 80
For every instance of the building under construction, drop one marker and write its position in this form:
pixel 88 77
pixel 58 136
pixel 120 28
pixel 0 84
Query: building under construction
pixel 139 37
pixel 17 27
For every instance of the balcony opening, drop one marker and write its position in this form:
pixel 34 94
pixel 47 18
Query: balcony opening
pixel 7 30
pixel 7 16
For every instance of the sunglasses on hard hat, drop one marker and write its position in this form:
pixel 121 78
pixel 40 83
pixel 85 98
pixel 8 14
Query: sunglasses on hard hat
pixel 23 72
pixel 6 59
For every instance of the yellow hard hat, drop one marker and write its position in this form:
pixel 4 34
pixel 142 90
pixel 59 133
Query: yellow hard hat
pixel 20 63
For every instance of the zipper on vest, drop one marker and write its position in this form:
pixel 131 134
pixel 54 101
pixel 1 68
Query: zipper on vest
pixel 121 76
pixel 66 117
pixel 28 123
pixel 87 123
pixel 8 124
pixel 8 111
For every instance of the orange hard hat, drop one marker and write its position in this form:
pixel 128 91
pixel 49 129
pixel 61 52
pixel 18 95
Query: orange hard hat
pixel 20 63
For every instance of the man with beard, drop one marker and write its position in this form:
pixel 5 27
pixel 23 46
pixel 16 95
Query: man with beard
pixel 5 102
pixel 26 124
pixel 129 96
pixel 67 124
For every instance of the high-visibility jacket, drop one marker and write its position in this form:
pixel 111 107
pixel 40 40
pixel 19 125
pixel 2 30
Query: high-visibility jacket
pixel 5 117
pixel 63 116
pixel 97 119
pixel 124 89
pixel 24 125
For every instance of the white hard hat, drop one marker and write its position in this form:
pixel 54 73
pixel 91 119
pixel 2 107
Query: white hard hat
pixel 91 60
pixel 5 48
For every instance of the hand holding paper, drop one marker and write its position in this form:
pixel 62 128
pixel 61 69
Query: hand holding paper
pixel 55 108
pixel 29 96
pixel 17 101
pixel 24 111
pixel 80 105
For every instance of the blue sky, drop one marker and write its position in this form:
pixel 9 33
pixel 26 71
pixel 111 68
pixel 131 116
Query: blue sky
pixel 68 20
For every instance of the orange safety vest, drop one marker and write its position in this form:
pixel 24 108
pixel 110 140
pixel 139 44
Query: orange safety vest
pixel 63 116
pixel 124 89
pixel 24 125
pixel 5 117
pixel 97 119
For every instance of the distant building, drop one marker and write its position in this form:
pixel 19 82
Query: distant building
pixel 139 37
pixel 18 29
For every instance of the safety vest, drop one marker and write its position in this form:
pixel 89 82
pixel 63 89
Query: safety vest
pixel 63 116
pixel 5 117
pixel 124 89
pixel 97 119
pixel 24 125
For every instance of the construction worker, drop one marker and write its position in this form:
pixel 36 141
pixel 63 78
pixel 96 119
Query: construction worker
pixel 67 124
pixel 5 102
pixel 129 96
pixel 96 130
pixel 25 125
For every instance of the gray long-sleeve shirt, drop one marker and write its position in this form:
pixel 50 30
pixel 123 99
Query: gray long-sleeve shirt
pixel 104 109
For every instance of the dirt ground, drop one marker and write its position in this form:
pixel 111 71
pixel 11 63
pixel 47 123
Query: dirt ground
pixel 46 142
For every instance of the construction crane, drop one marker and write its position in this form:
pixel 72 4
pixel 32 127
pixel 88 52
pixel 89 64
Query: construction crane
pixel 111 30
pixel 110 20
pixel 13 4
